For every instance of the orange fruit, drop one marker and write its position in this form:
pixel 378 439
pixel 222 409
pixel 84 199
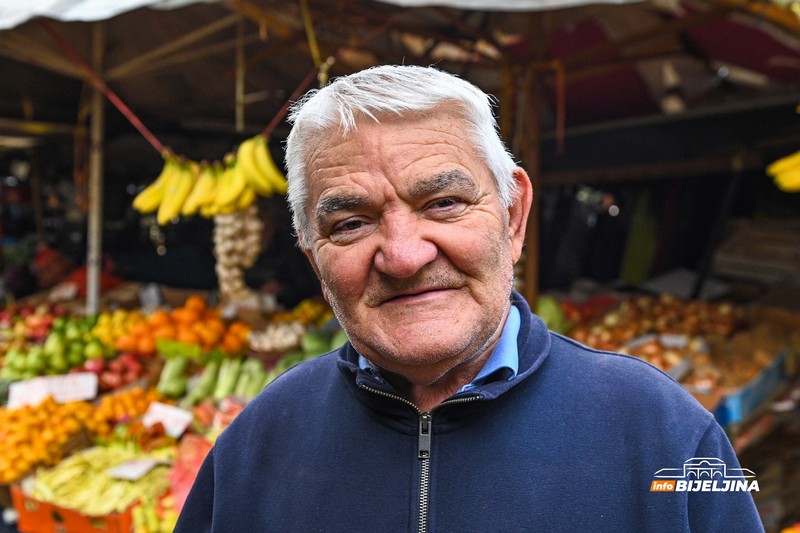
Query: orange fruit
pixel 183 315
pixel 195 303
pixel 187 334
pixel 139 329
pixel 146 344
pixel 231 343
pixel 164 331
pixel 158 318
pixel 126 342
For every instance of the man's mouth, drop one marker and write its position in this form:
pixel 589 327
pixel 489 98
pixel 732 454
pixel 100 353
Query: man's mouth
pixel 413 294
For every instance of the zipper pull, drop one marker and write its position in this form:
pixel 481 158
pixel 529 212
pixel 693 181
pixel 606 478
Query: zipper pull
pixel 424 447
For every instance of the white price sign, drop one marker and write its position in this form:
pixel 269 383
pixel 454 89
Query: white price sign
pixel 174 419
pixel 134 469
pixel 63 389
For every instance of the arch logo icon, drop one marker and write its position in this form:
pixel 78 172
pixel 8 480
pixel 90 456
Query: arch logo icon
pixel 704 474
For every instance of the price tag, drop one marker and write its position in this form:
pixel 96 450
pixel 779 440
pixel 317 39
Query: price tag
pixel 174 419
pixel 64 292
pixel 134 469
pixel 63 389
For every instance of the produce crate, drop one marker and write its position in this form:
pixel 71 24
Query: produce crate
pixel 738 406
pixel 36 516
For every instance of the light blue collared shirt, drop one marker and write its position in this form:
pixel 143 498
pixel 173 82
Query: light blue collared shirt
pixel 503 363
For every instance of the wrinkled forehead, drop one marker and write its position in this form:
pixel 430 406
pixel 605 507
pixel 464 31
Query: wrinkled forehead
pixel 337 134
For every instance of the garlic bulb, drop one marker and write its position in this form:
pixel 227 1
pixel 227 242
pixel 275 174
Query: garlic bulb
pixel 237 244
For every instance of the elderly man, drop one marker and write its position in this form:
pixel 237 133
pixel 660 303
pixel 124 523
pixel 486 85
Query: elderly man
pixel 452 408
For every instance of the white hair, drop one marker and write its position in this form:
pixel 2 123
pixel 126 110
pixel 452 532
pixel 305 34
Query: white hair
pixel 382 91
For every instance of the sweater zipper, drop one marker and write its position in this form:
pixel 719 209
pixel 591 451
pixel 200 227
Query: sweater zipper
pixel 423 449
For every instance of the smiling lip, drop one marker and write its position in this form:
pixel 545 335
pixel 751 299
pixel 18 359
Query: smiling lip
pixel 417 294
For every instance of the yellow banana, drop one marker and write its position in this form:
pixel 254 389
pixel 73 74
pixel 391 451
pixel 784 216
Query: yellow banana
pixel 209 197
pixel 231 184
pixel 178 188
pixel 205 182
pixel 253 173
pixel 784 163
pixel 246 199
pixel 150 197
pixel 789 179
pixel 263 160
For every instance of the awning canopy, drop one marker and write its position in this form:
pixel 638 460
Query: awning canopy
pixel 15 13
pixel 598 63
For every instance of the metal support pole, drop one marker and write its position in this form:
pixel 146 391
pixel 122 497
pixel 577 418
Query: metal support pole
pixel 95 236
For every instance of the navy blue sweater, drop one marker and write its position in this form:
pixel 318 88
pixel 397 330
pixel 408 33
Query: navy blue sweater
pixel 571 444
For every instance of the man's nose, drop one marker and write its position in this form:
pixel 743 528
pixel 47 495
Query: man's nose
pixel 403 249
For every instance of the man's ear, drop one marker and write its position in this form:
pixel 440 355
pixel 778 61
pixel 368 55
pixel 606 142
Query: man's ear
pixel 519 211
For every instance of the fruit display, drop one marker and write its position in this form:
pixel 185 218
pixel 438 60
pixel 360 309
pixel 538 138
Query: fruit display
pixel 29 321
pixel 85 483
pixel 111 325
pixel 189 456
pixel 116 372
pixel 68 344
pixel 186 187
pixel 38 435
pixel 193 323
pixel 310 311
pixel 155 515
pixel 786 172
pixel 666 313
pixel 673 354
pixel 122 407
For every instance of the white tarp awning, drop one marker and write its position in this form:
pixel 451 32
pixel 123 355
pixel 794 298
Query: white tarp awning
pixel 503 5
pixel 15 12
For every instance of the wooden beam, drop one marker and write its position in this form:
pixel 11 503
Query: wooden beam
pixel 273 19
pixel 194 54
pixel 135 64
pixel 27 50
pixel 696 167
pixel 33 127
pixel 579 73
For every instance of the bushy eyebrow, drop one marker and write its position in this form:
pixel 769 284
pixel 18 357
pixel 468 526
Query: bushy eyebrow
pixel 451 179
pixel 332 204
pixel 443 181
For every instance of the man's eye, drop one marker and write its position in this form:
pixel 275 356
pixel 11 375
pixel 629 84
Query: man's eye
pixel 444 202
pixel 347 226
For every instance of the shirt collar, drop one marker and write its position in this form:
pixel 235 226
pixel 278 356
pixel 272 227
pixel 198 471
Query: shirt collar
pixel 503 362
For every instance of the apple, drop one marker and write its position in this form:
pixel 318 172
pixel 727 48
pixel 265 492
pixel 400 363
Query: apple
pixel 109 379
pixel 96 365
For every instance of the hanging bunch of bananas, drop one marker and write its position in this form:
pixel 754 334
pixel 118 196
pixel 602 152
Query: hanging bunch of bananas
pixel 187 188
pixel 786 172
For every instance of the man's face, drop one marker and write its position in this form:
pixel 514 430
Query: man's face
pixel 411 242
